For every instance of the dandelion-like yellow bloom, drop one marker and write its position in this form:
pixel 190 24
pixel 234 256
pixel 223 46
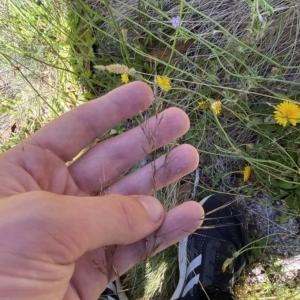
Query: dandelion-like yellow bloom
pixel 286 112
pixel 201 105
pixel 124 78
pixel 247 172
pixel 164 83
pixel 216 107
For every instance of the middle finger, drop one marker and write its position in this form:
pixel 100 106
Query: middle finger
pixel 100 165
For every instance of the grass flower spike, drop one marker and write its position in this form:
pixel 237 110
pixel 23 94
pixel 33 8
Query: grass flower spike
pixel 216 107
pixel 124 78
pixel 117 69
pixel 287 112
pixel 247 172
pixel 164 83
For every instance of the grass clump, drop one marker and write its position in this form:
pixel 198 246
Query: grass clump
pixel 230 61
pixel 150 278
pixel 233 66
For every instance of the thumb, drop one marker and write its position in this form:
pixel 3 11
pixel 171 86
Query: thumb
pixel 65 227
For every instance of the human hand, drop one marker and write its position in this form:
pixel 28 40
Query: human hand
pixel 60 241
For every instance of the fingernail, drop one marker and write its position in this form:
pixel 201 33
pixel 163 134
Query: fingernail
pixel 153 207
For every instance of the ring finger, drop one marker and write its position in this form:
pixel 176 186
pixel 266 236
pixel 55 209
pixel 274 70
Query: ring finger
pixel 100 166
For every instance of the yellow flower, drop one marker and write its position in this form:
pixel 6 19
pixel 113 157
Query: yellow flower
pixel 164 83
pixel 247 171
pixel 124 78
pixel 286 112
pixel 201 105
pixel 216 107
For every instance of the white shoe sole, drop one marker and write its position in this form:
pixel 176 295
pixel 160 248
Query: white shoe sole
pixel 182 261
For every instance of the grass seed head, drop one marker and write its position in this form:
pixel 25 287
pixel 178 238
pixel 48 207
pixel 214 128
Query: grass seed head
pixel 117 69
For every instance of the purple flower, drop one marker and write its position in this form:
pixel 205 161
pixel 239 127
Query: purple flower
pixel 175 21
pixel 261 19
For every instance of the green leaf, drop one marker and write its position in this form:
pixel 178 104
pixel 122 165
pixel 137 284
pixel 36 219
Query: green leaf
pixel 88 96
pixel 4 110
pixel 284 185
pixel 284 193
pixel 290 200
pixel 263 108
pixel 113 131
pixel 297 192
pixel 205 91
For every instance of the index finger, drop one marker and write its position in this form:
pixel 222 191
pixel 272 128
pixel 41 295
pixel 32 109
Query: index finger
pixel 67 135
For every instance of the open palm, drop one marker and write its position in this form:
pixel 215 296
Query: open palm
pixel 58 238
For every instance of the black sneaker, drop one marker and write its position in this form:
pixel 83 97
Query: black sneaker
pixel 113 291
pixel 202 254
